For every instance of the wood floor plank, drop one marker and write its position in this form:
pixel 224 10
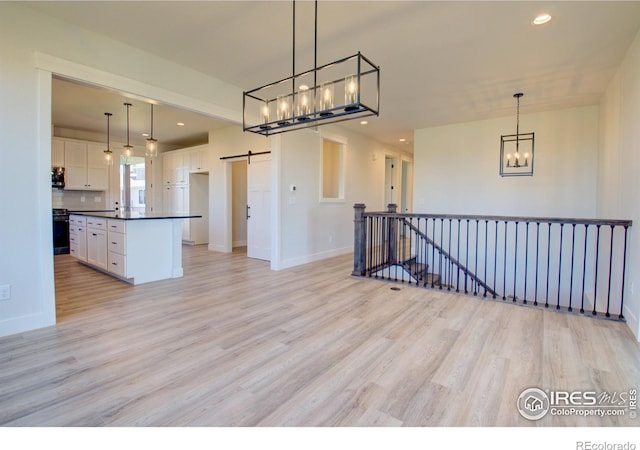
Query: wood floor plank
pixel 233 343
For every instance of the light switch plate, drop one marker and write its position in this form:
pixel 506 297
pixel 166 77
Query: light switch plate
pixel 5 292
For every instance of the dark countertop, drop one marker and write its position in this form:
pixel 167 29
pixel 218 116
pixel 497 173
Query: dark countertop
pixel 84 211
pixel 121 215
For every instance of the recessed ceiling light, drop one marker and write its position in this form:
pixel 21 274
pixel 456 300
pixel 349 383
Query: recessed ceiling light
pixel 180 124
pixel 541 19
pixel 364 122
pixel 403 140
pixel 145 134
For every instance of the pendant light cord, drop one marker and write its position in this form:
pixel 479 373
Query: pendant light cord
pixel 151 121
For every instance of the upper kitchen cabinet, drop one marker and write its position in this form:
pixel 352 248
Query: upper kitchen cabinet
pixel 57 152
pixel 198 158
pixel 174 168
pixel 84 166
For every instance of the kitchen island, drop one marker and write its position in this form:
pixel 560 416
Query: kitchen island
pixel 134 247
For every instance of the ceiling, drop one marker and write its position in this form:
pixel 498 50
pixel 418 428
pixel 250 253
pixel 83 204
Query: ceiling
pixel 441 62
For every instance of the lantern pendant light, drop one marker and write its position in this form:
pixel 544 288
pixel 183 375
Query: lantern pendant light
pixel 152 144
pixel 128 149
pixel 108 154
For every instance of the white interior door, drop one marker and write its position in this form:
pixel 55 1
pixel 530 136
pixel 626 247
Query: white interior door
pixel 259 207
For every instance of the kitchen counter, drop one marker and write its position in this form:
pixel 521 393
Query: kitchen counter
pixel 133 247
pixel 132 215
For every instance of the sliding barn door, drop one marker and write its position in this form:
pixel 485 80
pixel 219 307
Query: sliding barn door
pixel 259 207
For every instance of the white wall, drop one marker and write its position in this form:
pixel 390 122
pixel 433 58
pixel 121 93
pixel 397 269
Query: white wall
pixel 311 229
pixel 618 186
pixel 457 167
pixel 305 230
pixel 32 46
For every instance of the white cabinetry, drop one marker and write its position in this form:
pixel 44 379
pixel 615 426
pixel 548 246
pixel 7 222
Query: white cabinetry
pixel 78 237
pixel 117 247
pixel 137 250
pixel 97 242
pixel 84 169
pixel 57 153
pixel 198 158
pixel 174 169
pixel 182 171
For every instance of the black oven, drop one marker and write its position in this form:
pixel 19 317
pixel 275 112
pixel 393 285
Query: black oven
pixel 60 231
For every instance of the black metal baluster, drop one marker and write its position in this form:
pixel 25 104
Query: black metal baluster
pixel 475 284
pixel 573 242
pixel 535 294
pixel 546 296
pixel 426 252
pixel 450 279
pixel 370 249
pixel 433 249
pixel 559 266
pixel 515 264
pixel 495 260
pixel 595 281
pixel 504 262
pixel 486 239
pixel 624 266
pixel 610 270
pixel 458 259
pixel 466 260
pixel 584 266
pixel 440 255
pixel 526 261
pixel 414 258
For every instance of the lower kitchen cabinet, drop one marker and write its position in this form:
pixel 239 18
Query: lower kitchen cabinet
pixel 137 250
pixel 97 242
pixel 78 237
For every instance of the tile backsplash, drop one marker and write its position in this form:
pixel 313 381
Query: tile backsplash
pixel 78 200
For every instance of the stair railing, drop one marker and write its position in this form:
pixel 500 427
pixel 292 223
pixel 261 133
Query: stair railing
pixel 575 265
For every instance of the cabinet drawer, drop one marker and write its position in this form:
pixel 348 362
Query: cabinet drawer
pixel 116 225
pixel 77 220
pixel 116 264
pixel 98 224
pixel 73 249
pixel 73 230
pixel 115 243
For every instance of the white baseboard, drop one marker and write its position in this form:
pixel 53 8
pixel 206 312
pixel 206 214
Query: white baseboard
pixel 292 262
pixel 216 248
pixel 632 322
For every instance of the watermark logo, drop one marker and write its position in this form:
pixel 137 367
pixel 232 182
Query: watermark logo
pixel 533 404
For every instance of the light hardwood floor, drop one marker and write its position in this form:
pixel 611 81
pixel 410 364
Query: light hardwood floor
pixel 233 343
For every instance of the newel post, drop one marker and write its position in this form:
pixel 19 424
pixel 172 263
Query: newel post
pixel 359 240
pixel 393 234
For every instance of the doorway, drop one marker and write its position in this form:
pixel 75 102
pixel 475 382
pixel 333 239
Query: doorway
pixel 239 203
pixel 406 194
pixel 389 180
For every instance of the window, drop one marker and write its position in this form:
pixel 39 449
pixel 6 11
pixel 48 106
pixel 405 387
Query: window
pixel 332 177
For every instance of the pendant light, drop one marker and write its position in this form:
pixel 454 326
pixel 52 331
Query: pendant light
pixel 152 144
pixel 128 149
pixel 517 160
pixel 108 154
pixel 306 99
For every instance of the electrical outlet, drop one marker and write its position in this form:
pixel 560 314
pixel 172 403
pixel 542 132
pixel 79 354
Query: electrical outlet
pixel 5 292
pixel 82 198
pixel 97 199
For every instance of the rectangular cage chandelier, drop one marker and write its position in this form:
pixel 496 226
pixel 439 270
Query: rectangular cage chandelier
pixel 346 89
